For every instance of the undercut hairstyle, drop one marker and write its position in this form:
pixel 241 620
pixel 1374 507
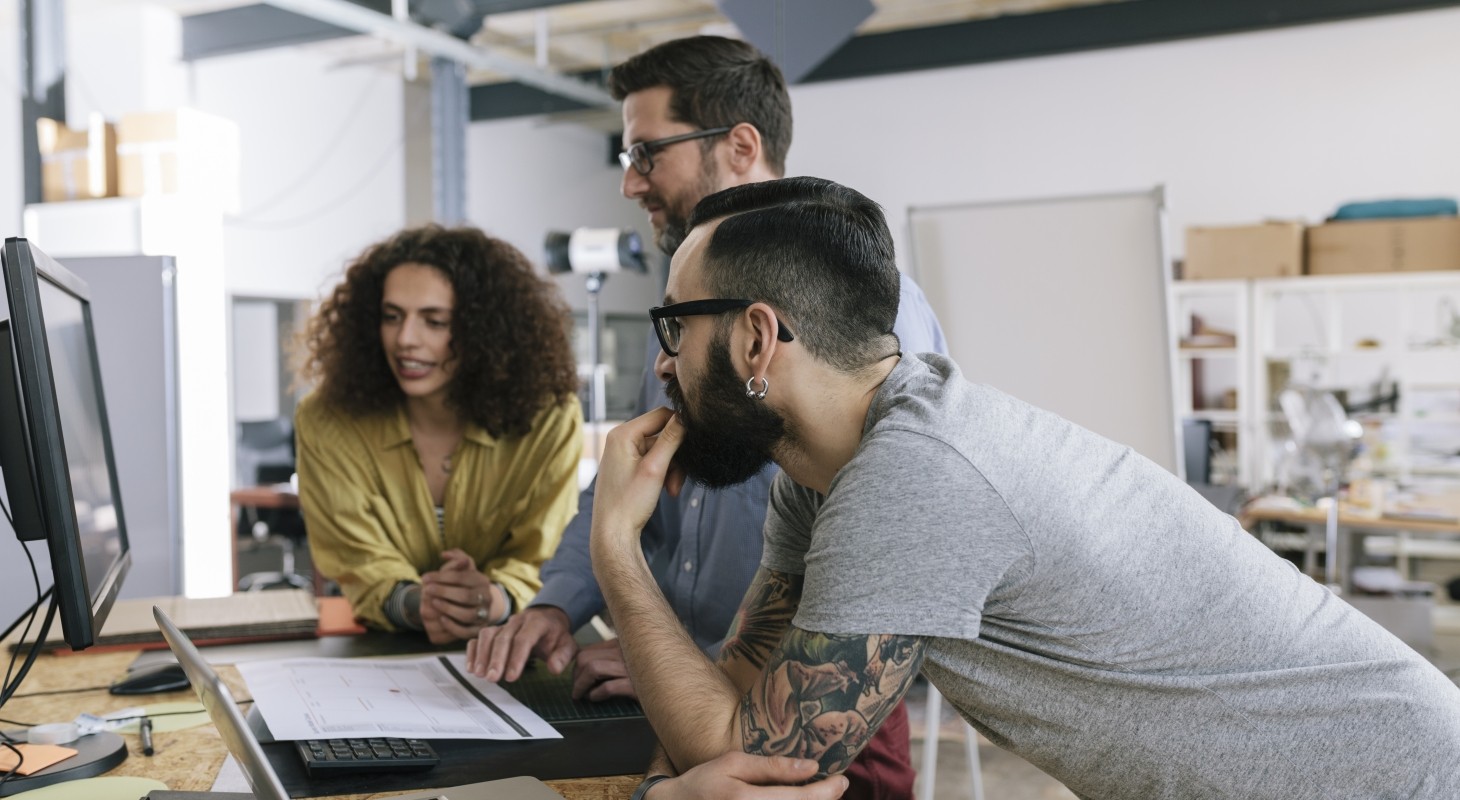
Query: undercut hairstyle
pixel 819 253
pixel 715 82
pixel 509 331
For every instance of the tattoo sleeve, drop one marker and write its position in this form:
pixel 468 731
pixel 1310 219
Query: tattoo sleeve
pixel 822 696
pixel 764 617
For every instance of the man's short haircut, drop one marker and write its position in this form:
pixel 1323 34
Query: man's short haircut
pixel 715 82
pixel 819 253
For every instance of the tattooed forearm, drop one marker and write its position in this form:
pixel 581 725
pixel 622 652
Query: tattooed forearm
pixel 763 618
pixel 822 696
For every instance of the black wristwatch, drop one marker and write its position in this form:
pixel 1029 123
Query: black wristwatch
pixel 648 784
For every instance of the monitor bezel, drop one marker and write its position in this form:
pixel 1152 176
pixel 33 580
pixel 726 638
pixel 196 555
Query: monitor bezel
pixel 83 608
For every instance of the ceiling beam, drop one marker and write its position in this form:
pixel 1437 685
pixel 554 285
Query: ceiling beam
pixel 436 43
pixel 262 26
pixel 1076 29
pixel 514 99
pixel 258 27
pixel 1081 28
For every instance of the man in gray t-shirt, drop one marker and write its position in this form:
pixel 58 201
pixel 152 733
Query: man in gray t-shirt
pixel 1090 612
pixel 1079 605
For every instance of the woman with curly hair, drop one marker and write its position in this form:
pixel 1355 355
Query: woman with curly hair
pixel 438 454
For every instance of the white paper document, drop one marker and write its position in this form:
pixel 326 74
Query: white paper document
pixel 431 697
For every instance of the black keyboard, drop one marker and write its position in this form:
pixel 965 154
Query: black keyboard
pixel 330 756
pixel 551 697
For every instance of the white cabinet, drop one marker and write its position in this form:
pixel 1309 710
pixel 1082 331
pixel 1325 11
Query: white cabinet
pixel 1388 345
pixel 1211 375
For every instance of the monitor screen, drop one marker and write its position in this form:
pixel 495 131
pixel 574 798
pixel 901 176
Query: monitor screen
pixel 55 443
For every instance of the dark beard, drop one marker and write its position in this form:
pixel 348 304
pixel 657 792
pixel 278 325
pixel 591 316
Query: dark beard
pixel 671 236
pixel 676 225
pixel 729 437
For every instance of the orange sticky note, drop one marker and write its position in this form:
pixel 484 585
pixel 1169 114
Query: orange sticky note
pixel 37 757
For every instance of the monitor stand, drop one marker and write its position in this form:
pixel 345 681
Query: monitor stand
pixel 95 754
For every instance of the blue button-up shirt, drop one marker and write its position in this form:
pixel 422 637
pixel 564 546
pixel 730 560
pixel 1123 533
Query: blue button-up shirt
pixel 703 546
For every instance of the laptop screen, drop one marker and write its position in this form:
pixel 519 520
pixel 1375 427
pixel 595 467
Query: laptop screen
pixel 227 718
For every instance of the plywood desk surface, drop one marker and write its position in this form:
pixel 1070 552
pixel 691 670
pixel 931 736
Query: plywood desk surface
pixel 1318 516
pixel 185 760
pixel 263 497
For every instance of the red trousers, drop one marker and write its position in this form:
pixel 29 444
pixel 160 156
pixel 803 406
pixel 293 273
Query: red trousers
pixel 884 770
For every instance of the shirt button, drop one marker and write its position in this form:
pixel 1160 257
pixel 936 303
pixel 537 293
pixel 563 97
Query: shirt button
pixel 694 502
pixel 689 566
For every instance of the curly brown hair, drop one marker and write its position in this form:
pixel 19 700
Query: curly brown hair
pixel 509 331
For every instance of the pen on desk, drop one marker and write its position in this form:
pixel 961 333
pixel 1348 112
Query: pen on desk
pixel 146 729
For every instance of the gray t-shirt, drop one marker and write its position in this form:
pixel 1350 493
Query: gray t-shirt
pixel 1087 610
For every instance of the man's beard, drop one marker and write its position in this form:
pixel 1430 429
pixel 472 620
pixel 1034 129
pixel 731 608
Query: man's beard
pixel 728 437
pixel 676 220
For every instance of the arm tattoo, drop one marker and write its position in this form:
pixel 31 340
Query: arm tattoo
pixel 764 617
pixel 822 696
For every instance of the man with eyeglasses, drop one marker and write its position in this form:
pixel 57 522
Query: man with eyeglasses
pixel 700 115
pixel 1080 605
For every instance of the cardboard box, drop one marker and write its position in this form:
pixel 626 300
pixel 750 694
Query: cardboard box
pixel 77 164
pixel 1266 250
pixel 183 151
pixel 1384 245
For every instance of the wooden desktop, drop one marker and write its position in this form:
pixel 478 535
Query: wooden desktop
pixel 1353 526
pixel 186 760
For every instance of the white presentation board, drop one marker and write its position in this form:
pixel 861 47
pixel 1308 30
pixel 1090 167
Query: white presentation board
pixel 1060 302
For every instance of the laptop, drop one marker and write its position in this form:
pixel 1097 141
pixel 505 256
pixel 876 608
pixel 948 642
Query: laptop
pixel 244 745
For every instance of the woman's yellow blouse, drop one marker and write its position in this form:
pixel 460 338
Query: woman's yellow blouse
pixel 369 515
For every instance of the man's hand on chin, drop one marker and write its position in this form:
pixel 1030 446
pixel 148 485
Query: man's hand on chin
pixel 636 465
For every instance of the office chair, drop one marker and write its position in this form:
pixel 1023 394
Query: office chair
pixel 265 453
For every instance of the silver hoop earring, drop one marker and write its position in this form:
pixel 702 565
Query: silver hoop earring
pixel 765 386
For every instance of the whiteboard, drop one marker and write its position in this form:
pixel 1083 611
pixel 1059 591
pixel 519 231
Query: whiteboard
pixel 1060 302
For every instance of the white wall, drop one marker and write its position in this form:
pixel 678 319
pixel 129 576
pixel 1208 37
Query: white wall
pixel 12 191
pixel 323 149
pixel 526 177
pixel 121 57
pixel 1284 123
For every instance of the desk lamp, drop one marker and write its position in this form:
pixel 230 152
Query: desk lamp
pixel 594 253
pixel 1323 444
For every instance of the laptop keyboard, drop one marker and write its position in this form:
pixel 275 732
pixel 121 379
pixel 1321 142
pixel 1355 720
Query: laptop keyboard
pixel 332 756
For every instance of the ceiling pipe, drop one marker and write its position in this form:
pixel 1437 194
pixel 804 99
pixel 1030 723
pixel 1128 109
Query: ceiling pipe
pixel 400 11
pixel 433 42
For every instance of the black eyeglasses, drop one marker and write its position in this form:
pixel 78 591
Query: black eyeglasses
pixel 666 320
pixel 640 156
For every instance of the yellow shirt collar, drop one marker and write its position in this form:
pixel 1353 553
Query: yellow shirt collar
pixel 396 431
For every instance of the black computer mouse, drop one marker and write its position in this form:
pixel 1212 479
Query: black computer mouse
pixel 153 678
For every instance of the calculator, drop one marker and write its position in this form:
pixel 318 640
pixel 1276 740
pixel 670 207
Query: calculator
pixel 333 756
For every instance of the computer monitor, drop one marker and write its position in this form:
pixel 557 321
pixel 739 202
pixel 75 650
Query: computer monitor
pixel 55 440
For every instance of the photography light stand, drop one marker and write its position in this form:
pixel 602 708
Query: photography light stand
pixel 598 377
pixel 594 253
